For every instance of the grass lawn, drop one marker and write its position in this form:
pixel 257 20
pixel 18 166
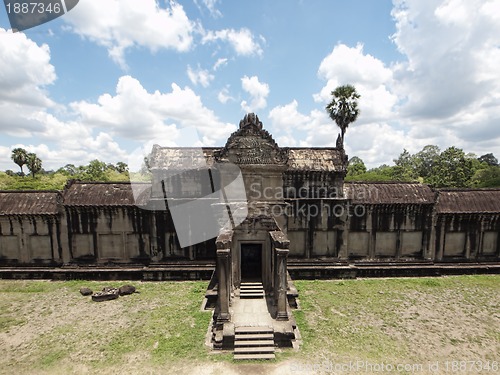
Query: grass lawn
pixel 49 328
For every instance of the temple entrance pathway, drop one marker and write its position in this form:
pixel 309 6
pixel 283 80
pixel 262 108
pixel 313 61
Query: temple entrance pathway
pixel 253 324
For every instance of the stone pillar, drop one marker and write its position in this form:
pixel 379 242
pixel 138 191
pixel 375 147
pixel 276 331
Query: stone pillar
pixel 224 289
pixel 281 287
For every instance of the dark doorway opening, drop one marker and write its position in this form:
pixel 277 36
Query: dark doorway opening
pixel 251 261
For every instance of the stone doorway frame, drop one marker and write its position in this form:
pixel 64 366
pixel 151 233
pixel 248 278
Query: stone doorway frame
pixel 261 245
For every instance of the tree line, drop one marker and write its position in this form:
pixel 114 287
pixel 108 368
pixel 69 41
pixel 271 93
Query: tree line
pixel 449 168
pixel 38 178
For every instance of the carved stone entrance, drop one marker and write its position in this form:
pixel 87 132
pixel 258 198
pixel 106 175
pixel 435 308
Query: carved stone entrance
pixel 251 261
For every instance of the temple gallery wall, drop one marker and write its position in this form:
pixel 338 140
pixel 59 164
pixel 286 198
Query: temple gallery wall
pixel 297 200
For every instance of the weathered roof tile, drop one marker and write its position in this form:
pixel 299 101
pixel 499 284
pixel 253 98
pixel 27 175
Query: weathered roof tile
pixel 102 194
pixel 29 202
pixel 388 193
pixel 468 201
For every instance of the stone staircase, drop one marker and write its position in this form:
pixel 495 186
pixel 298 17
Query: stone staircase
pixel 251 290
pixel 254 343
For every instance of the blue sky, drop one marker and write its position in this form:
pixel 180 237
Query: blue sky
pixel 113 75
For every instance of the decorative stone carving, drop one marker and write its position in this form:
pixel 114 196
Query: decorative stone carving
pixel 251 144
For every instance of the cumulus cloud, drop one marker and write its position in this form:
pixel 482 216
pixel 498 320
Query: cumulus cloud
pixel 370 76
pixel 452 56
pixel 444 91
pixel 120 25
pixel 242 41
pixel 137 114
pixel 258 92
pixel 26 70
pixel 199 76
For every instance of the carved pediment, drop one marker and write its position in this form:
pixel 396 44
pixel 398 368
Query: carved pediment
pixel 251 144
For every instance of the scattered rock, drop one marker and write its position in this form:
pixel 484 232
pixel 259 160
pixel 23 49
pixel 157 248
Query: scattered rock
pixel 126 289
pixel 107 294
pixel 86 291
pixel 109 289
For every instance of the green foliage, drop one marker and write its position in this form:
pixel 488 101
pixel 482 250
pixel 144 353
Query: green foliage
pixel 33 163
pixel 489 159
pixel 343 109
pixel 425 160
pixel 94 171
pixel 452 169
pixel 405 167
pixel 487 177
pixel 355 167
pixel 379 174
pixel 20 157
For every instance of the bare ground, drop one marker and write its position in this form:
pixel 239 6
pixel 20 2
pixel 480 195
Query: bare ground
pixel 55 330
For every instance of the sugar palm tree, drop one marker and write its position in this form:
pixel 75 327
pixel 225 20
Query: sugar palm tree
pixel 19 156
pixel 34 164
pixel 343 109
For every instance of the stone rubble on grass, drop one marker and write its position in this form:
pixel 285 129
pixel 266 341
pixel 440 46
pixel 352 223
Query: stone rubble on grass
pixel 108 293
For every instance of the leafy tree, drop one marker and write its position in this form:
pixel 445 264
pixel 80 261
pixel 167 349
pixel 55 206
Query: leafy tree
pixel 343 109
pixel 489 159
pixel 487 177
pixel 20 157
pixel 33 163
pixel 121 167
pixel 405 167
pixel 69 170
pixel 355 167
pixel 452 169
pixel 425 160
pixel 94 171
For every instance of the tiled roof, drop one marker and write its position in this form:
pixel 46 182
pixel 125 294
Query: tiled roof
pixel 468 201
pixel 315 159
pixel 389 193
pixel 104 194
pixel 300 159
pixel 29 202
pixel 181 158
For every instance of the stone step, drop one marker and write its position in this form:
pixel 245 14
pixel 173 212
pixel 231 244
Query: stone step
pixel 246 288
pixel 257 349
pixel 248 343
pixel 254 356
pixel 254 336
pixel 253 329
pixel 251 285
pixel 252 295
pixel 253 290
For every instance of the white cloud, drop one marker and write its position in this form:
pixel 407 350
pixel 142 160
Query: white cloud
pixel 119 25
pixel 452 56
pixel 134 113
pixel 242 41
pixel 199 76
pixel 219 63
pixel 372 79
pixel 25 71
pixel 211 6
pixel 223 96
pixel 258 92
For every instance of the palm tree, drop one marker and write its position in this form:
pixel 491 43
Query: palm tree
pixel 19 156
pixel 34 164
pixel 343 109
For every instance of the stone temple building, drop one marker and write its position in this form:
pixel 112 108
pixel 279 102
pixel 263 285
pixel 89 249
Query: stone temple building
pixel 299 217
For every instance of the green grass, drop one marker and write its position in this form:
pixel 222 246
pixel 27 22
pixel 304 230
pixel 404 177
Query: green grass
pixel 48 327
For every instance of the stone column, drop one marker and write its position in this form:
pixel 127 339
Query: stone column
pixel 224 290
pixel 280 289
